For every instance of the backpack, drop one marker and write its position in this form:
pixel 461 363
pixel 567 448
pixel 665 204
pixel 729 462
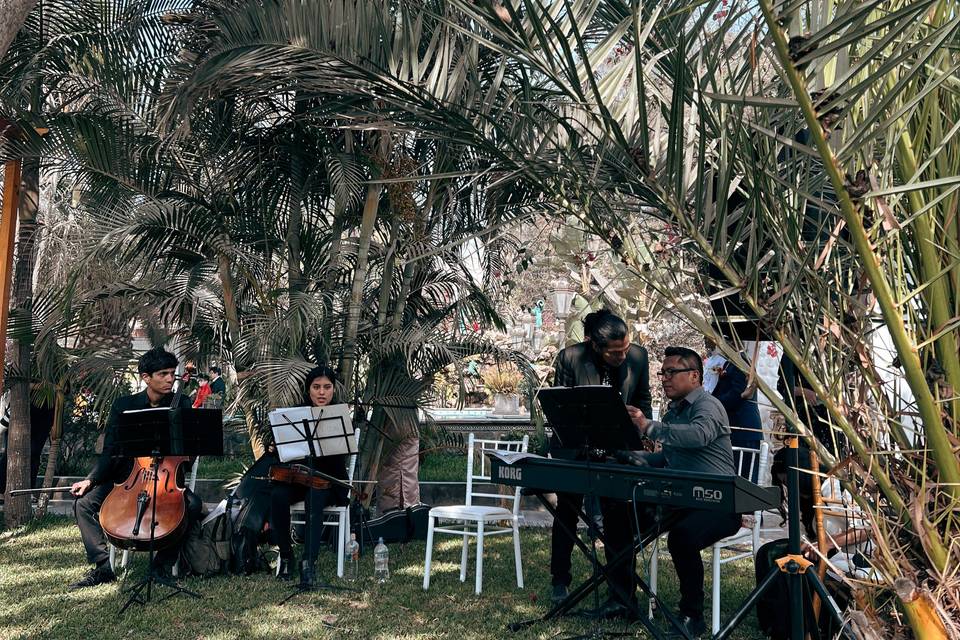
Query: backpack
pixel 773 616
pixel 251 508
pixel 207 546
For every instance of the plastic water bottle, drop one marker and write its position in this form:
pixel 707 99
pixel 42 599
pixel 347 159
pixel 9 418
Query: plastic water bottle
pixel 381 562
pixel 351 560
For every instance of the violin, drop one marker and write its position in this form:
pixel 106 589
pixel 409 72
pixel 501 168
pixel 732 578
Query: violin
pixel 126 513
pixel 298 474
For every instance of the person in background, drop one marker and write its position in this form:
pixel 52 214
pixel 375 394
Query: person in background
pixel 846 531
pixel 728 384
pixel 217 384
pixel 202 392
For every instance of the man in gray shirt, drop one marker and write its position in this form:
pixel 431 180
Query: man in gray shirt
pixel 694 436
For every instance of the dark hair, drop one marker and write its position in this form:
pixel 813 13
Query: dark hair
pixel 805 481
pixel 320 371
pixel 602 327
pixel 215 370
pixel 157 359
pixel 688 357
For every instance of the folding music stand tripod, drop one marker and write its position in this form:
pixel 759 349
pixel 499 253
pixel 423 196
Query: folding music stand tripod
pixel 175 431
pixel 308 433
pixel 586 419
pixel 794 565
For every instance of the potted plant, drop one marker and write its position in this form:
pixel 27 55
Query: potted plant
pixel 503 381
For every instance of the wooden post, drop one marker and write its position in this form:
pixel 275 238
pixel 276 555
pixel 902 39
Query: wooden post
pixel 8 233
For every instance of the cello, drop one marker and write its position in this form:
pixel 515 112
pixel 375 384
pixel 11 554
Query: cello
pixel 149 504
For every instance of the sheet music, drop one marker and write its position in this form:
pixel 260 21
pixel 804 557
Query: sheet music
pixel 510 457
pixel 330 428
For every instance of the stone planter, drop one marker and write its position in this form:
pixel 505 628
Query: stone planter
pixel 506 404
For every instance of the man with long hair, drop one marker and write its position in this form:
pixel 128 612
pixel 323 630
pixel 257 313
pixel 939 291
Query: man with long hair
pixel 606 356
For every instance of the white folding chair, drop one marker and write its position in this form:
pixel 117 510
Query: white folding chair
pixel 337 516
pixel 125 558
pixel 470 520
pixel 750 463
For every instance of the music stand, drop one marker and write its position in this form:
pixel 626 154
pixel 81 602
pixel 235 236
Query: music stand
pixel 159 432
pixel 584 419
pixel 308 433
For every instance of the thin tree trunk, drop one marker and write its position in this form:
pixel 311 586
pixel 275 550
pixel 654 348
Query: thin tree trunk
pixel 359 279
pixel 17 509
pixel 14 14
pixel 386 281
pixel 405 284
pixel 330 281
pixel 53 455
pixel 229 300
pixel 295 221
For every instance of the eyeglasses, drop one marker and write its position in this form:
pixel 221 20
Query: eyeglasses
pixel 666 374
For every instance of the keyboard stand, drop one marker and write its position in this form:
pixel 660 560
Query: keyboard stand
pixel 600 575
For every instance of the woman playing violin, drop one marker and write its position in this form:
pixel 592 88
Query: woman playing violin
pixel 319 390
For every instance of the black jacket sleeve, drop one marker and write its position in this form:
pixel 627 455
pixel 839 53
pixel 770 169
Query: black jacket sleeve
pixel 563 374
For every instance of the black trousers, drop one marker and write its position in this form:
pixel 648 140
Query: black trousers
pixel 695 531
pixel 284 495
pixel 617 529
pixel 87 511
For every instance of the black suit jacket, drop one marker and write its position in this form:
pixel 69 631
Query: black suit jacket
pixel 218 386
pixel 108 467
pixel 577 366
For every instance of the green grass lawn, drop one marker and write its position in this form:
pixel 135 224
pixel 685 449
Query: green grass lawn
pixel 38 562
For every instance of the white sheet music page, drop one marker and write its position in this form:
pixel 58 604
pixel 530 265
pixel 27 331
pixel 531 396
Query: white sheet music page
pixel 330 428
pixel 509 457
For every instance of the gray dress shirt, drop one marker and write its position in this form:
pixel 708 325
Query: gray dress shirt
pixel 695 435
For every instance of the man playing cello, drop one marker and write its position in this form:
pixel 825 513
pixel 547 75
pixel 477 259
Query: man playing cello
pixel 157 369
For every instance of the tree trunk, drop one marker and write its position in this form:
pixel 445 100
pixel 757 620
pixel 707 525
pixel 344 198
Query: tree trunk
pixel 229 301
pixel 356 292
pixel 386 281
pixel 14 14
pixel 17 509
pixel 53 456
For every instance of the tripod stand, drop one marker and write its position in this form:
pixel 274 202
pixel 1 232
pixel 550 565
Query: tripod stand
pixel 794 565
pixel 153 577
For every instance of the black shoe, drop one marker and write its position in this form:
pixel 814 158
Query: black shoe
pixel 284 569
pixel 95 577
pixel 694 627
pixel 614 609
pixel 559 593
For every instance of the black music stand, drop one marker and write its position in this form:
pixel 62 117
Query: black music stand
pixel 158 432
pixel 586 419
pixel 794 565
pixel 308 433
